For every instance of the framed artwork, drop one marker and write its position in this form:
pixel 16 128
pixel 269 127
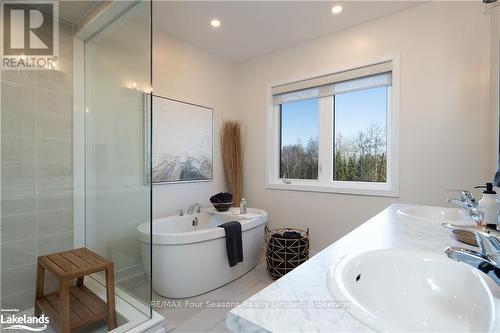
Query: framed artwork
pixel 182 141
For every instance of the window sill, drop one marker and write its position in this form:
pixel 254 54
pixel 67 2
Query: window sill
pixel 353 188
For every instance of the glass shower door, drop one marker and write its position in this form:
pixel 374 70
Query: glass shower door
pixel 117 193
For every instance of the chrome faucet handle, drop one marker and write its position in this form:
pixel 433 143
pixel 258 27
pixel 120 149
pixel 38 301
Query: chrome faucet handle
pixel 198 207
pixel 467 197
pixel 488 240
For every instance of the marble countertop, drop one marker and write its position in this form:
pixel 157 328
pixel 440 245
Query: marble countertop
pixel 294 302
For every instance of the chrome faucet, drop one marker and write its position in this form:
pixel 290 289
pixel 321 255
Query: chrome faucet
pixel 466 198
pixel 487 260
pixel 469 203
pixel 197 206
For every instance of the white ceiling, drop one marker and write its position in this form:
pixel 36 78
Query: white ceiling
pixel 70 11
pixel 251 29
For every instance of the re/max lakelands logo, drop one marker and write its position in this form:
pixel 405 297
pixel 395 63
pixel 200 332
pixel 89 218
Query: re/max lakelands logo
pixel 30 37
pixel 18 321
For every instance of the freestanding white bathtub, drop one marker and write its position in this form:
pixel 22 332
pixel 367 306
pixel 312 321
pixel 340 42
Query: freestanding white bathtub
pixel 191 260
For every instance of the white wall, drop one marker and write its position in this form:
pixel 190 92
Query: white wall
pixel 445 137
pixel 494 83
pixel 186 73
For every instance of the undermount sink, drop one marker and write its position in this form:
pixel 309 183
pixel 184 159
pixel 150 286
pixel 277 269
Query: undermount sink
pixel 396 290
pixel 438 214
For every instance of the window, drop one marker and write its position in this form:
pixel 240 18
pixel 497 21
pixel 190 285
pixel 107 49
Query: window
pixel 360 123
pixel 334 133
pixel 299 139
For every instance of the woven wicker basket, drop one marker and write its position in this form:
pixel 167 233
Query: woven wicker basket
pixel 283 254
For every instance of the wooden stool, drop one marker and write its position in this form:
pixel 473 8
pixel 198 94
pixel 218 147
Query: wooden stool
pixel 76 306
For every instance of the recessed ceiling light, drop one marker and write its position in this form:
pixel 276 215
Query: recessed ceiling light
pixel 215 23
pixel 336 9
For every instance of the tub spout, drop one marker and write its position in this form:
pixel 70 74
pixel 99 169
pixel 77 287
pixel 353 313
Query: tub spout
pixel 193 207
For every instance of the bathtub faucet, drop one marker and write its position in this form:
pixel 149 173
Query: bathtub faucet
pixel 197 206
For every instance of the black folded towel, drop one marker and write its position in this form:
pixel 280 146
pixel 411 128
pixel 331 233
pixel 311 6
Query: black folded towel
pixel 234 244
pixel 292 235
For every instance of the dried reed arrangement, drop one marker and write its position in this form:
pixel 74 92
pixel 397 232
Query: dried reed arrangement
pixel 232 157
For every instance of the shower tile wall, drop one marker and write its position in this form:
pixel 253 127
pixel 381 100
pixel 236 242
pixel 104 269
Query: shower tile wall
pixel 36 171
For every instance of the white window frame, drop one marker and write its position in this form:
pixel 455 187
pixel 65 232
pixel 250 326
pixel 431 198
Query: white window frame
pixel 325 182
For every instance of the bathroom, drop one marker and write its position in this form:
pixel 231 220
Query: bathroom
pixel 114 144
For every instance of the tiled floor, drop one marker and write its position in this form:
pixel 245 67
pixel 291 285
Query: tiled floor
pixel 194 316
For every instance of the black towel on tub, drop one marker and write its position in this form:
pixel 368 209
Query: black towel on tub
pixel 234 244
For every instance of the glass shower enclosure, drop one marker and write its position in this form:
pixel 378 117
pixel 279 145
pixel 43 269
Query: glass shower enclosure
pixel 117 60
